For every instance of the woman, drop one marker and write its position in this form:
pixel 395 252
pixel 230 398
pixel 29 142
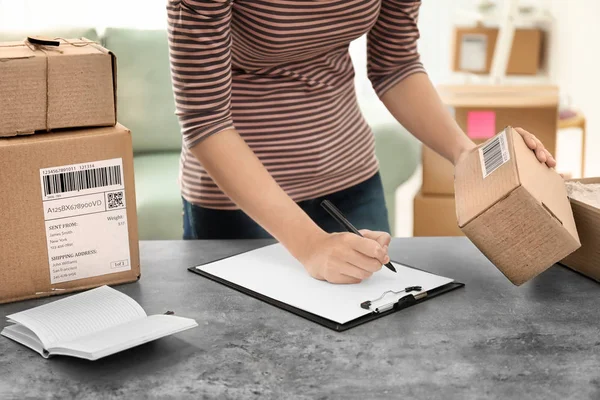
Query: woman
pixel 264 92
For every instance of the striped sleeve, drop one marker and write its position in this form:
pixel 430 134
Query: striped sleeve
pixel 392 45
pixel 200 57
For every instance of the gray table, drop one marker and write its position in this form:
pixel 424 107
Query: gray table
pixel 487 340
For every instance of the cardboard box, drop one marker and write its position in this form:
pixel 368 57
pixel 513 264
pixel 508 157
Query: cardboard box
pixel 474 49
pixel 484 110
pixel 45 88
pixel 69 220
pixel 434 216
pixel 514 208
pixel 438 173
pixel 586 259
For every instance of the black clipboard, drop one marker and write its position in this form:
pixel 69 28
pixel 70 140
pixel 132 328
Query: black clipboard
pixel 401 305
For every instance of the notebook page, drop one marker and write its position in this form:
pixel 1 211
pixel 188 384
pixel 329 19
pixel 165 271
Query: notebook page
pixel 124 336
pixel 79 315
pixel 273 272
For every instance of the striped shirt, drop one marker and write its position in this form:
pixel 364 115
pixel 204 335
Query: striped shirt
pixel 279 71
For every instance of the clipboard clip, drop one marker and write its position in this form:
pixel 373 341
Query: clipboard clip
pixel 377 306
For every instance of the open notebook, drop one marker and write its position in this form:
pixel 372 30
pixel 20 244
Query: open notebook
pixel 90 325
pixel 271 274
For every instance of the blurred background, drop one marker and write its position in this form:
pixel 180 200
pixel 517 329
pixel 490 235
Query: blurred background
pixel 553 53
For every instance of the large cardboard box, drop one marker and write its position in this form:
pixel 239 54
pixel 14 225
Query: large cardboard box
pixel 45 88
pixel 514 208
pixel 69 221
pixel 484 110
pixel 438 173
pixel 474 49
pixel 434 216
pixel 586 259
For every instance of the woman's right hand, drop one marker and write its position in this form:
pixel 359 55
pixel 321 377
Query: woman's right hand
pixel 346 257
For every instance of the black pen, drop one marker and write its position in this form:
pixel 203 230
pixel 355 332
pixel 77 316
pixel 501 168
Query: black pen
pixel 339 217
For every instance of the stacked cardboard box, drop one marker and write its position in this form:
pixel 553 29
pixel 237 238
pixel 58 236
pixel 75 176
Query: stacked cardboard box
pixel 481 111
pixel 67 172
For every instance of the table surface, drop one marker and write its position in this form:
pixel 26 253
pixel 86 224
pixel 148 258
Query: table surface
pixel 489 339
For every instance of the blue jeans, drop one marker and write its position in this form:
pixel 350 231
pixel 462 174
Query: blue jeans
pixel 363 205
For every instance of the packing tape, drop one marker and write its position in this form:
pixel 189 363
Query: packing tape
pixel 53 290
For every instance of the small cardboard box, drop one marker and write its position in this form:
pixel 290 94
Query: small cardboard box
pixel 514 208
pixel 484 110
pixel 434 215
pixel 46 88
pixel 586 260
pixel 70 218
pixel 474 49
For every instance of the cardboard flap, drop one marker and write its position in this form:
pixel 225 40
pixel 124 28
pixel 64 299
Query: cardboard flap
pixel 477 190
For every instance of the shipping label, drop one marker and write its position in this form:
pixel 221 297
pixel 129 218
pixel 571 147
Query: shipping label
pixel 86 220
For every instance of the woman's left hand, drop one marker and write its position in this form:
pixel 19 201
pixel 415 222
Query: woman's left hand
pixel 537 146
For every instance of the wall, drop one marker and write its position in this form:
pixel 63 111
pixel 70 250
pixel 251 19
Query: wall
pixel 575 45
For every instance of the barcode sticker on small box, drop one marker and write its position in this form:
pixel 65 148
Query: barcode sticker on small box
pixel 494 154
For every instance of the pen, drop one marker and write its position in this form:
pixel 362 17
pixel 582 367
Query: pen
pixel 339 217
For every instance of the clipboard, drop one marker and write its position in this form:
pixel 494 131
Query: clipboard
pixel 391 300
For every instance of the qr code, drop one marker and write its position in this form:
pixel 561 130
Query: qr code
pixel 115 200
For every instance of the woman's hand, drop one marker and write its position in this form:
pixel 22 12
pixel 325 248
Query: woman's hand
pixel 346 257
pixel 542 154
pixel 537 146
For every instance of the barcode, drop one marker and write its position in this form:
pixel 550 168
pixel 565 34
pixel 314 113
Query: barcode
pixel 81 180
pixel 494 154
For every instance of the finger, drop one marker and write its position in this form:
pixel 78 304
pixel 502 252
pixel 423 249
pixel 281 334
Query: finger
pixel 368 247
pixel 340 271
pixel 540 150
pixel 345 280
pixel 338 278
pixel 528 138
pixel 359 260
pixel 353 271
pixel 540 153
pixel 383 238
pixel 550 161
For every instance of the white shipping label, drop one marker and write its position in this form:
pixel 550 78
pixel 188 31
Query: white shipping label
pixel 494 154
pixel 473 52
pixel 86 220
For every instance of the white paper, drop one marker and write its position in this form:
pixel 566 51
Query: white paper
pixel 125 336
pixel 473 52
pixel 79 315
pixel 273 272
pixel 86 220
